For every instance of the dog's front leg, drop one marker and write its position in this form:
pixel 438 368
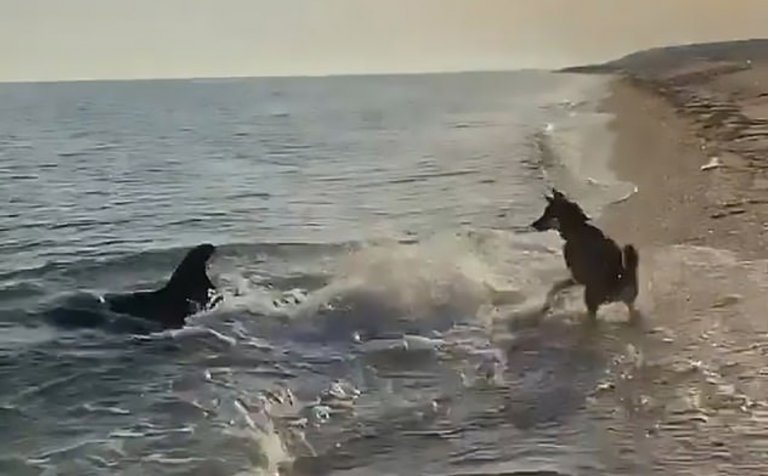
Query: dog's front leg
pixel 558 287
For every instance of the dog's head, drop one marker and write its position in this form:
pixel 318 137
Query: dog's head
pixel 559 212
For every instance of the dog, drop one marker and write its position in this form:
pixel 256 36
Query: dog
pixel 608 272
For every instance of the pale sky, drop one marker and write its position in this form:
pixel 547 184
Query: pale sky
pixel 89 39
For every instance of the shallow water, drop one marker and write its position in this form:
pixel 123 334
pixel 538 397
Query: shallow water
pixel 375 259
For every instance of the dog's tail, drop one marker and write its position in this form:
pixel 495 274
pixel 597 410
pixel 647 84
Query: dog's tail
pixel 631 260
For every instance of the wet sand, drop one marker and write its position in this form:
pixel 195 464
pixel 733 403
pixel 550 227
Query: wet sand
pixel 692 134
pixel 674 117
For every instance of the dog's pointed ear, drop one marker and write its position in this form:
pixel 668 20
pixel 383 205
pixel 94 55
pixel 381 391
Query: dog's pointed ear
pixel 557 193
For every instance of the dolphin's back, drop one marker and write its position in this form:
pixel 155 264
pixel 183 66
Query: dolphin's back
pixel 188 291
pixel 152 305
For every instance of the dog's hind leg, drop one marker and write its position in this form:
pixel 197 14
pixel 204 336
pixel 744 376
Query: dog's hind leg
pixel 592 299
pixel 628 296
pixel 558 287
pixel 629 281
pixel 634 314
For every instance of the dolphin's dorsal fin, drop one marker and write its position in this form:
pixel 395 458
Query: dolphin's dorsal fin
pixel 190 279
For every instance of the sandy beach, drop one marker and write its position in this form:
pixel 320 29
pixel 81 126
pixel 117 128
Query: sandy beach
pixel 681 116
pixel 692 134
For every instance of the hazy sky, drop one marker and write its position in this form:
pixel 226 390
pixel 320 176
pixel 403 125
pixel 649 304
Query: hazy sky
pixel 71 39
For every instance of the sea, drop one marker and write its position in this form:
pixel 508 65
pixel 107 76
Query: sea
pixel 381 281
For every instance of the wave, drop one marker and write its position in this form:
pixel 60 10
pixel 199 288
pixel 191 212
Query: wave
pixel 326 292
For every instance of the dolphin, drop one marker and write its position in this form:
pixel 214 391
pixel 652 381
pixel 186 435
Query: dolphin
pixel 187 292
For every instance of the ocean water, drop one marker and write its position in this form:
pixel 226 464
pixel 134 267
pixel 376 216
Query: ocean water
pixel 376 263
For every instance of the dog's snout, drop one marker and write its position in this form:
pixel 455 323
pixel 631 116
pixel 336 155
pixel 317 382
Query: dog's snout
pixel 542 224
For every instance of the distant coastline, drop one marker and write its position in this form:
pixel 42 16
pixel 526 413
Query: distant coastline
pixel 655 61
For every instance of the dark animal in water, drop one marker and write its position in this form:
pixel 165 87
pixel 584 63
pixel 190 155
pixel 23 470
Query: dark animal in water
pixel 187 292
pixel 608 272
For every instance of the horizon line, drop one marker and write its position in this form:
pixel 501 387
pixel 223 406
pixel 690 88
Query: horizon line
pixel 271 76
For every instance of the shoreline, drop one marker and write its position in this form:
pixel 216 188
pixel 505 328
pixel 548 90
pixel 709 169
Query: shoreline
pixel 702 235
pixel 654 150
pixel 669 124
